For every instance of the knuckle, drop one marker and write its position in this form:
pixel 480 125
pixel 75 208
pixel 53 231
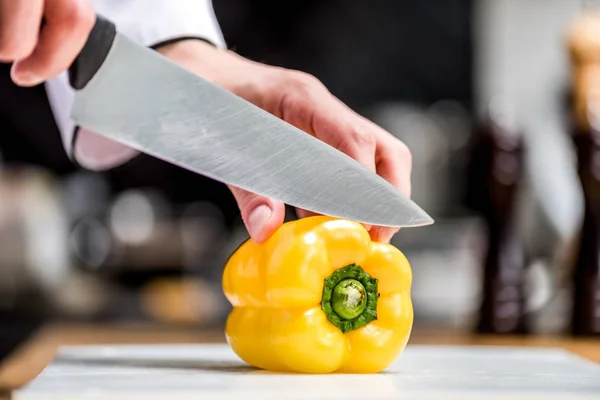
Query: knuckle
pixel 302 82
pixel 362 137
pixel 77 15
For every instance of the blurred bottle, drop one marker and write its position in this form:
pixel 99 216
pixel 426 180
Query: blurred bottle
pixel 495 173
pixel 584 50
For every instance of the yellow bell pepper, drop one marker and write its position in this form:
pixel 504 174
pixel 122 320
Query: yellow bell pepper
pixel 318 297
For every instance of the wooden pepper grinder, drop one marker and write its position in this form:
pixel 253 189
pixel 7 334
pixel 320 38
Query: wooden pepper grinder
pixel 496 170
pixel 584 50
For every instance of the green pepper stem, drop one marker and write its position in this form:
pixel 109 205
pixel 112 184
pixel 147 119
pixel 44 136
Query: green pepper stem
pixel 350 298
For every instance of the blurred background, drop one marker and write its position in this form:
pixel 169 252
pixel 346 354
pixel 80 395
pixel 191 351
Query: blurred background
pixel 485 93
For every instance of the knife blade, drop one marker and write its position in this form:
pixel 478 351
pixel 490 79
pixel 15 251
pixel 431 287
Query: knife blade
pixel 136 96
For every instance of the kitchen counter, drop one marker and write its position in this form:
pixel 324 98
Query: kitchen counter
pixel 33 357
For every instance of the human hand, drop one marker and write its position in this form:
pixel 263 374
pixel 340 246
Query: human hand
pixel 41 54
pixel 304 102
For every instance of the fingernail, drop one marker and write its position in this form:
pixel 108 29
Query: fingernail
pixel 26 79
pixel 257 220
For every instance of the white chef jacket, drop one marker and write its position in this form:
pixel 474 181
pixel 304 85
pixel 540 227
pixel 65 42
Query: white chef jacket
pixel 148 22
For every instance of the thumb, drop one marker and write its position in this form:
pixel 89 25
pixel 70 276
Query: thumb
pixel 261 216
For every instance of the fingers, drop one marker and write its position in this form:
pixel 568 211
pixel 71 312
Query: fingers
pixel 67 26
pixel 353 137
pixel 304 102
pixel 394 164
pixel 316 111
pixel 261 216
pixel 19 28
pixel 310 107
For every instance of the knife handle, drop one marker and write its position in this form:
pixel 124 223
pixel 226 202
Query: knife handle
pixel 93 54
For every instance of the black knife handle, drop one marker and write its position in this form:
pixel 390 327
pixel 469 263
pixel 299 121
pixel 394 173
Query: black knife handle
pixel 93 54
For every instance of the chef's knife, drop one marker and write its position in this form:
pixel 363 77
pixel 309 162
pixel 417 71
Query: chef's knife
pixel 136 96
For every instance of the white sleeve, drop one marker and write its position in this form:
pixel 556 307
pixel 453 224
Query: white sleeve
pixel 148 22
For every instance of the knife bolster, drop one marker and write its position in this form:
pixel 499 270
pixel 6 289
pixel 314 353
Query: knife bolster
pixel 93 54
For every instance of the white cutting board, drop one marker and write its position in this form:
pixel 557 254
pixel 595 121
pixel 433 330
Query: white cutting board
pixel 214 372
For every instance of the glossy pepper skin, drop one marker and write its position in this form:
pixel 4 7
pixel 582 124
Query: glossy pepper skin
pixel 285 293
